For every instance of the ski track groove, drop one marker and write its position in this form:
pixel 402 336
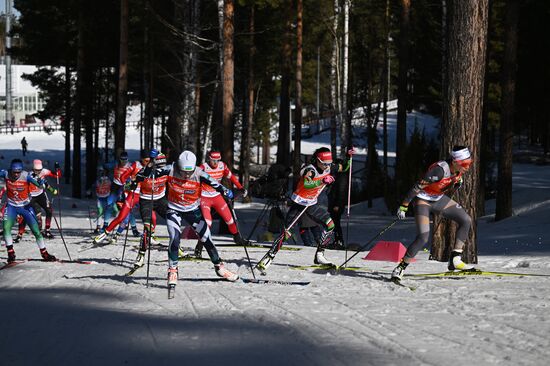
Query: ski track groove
pixel 383 325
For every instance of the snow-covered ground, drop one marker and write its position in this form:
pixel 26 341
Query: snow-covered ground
pixel 64 314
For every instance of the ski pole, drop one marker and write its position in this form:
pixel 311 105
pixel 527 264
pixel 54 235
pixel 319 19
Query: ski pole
pixel 62 238
pixel 90 218
pixel 230 204
pixel 149 232
pixel 370 241
pixel 127 227
pixel 349 204
pixel 57 173
pixel 281 238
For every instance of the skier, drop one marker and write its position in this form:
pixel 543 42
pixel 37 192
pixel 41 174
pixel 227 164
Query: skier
pixel 210 198
pixel 152 201
pixel 40 200
pixel 429 195
pixel 102 191
pixel 24 145
pixel 124 174
pixel 17 185
pixel 314 177
pixel 184 194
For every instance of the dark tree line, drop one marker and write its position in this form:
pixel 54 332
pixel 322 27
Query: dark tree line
pixel 226 73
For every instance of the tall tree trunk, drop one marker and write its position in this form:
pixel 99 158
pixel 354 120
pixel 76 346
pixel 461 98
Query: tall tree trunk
pixel 67 124
pixel 228 83
pixel 462 110
pixel 122 90
pixel 402 92
pixel 504 191
pixel 80 85
pixel 385 92
pixel 283 142
pixel 334 72
pixel 345 115
pixel 298 117
pixel 247 127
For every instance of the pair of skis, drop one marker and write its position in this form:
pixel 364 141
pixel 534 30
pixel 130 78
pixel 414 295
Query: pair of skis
pixel 16 262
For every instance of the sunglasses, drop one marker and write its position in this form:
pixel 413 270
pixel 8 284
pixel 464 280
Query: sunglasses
pixel 464 163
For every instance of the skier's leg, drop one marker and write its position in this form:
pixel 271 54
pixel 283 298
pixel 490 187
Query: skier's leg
pixel 455 212
pixel 422 211
pixel 10 216
pixel 173 224
pixel 198 224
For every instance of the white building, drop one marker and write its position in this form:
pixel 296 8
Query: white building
pixel 25 99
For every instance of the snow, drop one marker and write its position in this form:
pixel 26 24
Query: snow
pixel 62 314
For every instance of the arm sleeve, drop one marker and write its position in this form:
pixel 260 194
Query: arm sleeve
pixel 433 175
pixel 205 178
pixel 37 183
pixel 308 182
pixel 227 173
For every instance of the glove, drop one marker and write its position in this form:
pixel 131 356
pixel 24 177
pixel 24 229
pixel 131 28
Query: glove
pixel 130 186
pixel 154 153
pixel 458 184
pixel 228 193
pixel 244 192
pixel 329 179
pixel 52 190
pixel 402 212
pixel 56 165
pixel 350 152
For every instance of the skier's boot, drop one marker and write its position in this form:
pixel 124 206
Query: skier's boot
pixel 114 238
pixel 135 232
pixel 11 254
pixel 154 240
pixel 48 234
pixel 264 263
pixel 17 238
pixel 221 271
pixel 97 230
pixel 320 258
pixel 47 256
pixel 172 276
pixel 140 259
pixel 397 273
pixel 101 237
pixel 198 249
pixel 456 263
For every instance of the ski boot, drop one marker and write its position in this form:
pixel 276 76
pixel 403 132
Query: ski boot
pixel 264 263
pixel 397 273
pixel 48 234
pixel 140 260
pixel 114 238
pixel 198 250
pixel 320 258
pixel 11 254
pixel 172 277
pixel 154 240
pixel 135 232
pixel 221 271
pixel 101 237
pixel 97 230
pixel 456 263
pixel 18 238
pixel 47 256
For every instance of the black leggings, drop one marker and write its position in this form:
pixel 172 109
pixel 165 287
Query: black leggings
pixel 314 212
pixel 447 208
